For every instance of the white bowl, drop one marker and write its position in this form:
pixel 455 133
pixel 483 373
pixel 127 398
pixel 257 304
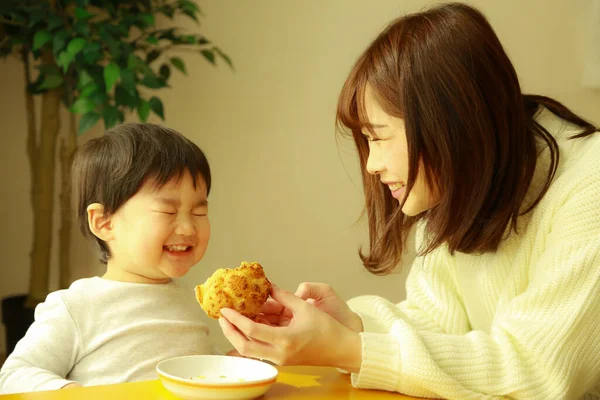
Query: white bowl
pixel 216 377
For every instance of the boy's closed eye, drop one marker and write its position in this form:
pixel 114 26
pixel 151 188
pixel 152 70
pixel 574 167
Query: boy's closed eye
pixel 200 213
pixel 195 213
pixel 166 212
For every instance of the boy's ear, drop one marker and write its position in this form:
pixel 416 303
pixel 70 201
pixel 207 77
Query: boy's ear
pixel 99 223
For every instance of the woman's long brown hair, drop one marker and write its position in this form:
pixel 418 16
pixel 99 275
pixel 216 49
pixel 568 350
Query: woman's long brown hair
pixel 446 74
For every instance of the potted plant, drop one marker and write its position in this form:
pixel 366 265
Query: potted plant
pixel 101 59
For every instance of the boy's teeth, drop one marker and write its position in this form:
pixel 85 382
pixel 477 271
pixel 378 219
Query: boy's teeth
pixel 177 248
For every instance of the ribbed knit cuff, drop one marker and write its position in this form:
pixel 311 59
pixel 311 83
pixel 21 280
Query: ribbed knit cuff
pixel 370 324
pixel 380 368
pixel 365 307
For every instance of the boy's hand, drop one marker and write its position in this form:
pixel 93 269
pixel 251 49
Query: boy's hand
pixel 71 385
pixel 234 353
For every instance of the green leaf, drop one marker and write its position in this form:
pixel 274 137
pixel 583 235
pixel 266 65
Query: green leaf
pixel 82 105
pixel 92 47
pixel 34 87
pixel 41 38
pixel 152 82
pixel 167 10
pixel 76 45
pixel 89 89
pixel 87 121
pixel 152 40
pixel 223 56
pixel 64 60
pixel 98 98
pixel 36 15
pixel 51 82
pixel 147 19
pixel 136 64
pixel 111 75
pixel 92 53
pixel 128 80
pixel 111 116
pixel 201 40
pixel 132 61
pixel 59 41
pixel 189 5
pixel 157 106
pixel 82 3
pixel 178 63
pixel 54 22
pixel 191 14
pixel 48 69
pixel 153 55
pixel 82 14
pixel 165 71
pixel 168 34
pixel 209 55
pixel 143 110
pixel 190 39
pixel 82 28
pixel 16 40
pixel 84 78
pixel 125 98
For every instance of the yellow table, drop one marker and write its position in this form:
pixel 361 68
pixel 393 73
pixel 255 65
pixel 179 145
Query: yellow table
pixel 292 383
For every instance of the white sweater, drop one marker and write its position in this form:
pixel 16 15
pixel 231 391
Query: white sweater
pixel 102 332
pixel 523 322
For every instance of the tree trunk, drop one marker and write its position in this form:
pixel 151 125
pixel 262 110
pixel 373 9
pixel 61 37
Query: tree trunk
pixel 42 192
pixel 67 151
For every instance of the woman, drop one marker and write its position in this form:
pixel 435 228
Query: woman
pixel 503 190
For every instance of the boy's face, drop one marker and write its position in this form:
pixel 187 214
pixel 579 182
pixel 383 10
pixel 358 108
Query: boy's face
pixel 161 234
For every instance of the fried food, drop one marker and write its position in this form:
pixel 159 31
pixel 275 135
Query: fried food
pixel 244 289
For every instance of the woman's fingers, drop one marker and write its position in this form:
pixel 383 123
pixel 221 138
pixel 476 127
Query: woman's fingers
pixel 314 290
pixel 235 337
pixel 272 307
pixel 287 299
pixel 251 329
pixel 245 347
pixel 270 320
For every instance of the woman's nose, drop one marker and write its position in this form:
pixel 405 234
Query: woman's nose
pixel 374 164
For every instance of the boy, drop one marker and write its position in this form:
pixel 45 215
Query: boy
pixel 141 197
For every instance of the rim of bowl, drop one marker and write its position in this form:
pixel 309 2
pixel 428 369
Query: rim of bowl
pixel 216 385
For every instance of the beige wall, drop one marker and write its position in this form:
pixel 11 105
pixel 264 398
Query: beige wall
pixel 284 194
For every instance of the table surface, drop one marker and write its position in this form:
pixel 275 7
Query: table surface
pixel 292 383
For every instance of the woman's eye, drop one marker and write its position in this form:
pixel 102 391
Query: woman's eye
pixel 199 215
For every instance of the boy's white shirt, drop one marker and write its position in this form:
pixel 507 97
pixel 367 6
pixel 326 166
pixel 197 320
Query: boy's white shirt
pixel 104 332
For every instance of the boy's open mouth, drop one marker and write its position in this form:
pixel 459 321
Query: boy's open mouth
pixel 176 248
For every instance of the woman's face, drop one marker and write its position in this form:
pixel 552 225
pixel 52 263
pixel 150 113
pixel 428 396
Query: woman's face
pixel 388 158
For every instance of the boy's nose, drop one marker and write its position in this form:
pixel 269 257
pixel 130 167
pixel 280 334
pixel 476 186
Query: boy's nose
pixel 185 227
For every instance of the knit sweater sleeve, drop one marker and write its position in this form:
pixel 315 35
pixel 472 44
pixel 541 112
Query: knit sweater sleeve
pixel 543 344
pixel 431 289
pixel 44 357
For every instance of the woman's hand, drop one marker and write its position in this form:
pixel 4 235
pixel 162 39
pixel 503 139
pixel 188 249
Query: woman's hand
pixel 307 336
pixel 322 296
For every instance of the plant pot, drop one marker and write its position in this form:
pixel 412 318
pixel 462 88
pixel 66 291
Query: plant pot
pixel 16 319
